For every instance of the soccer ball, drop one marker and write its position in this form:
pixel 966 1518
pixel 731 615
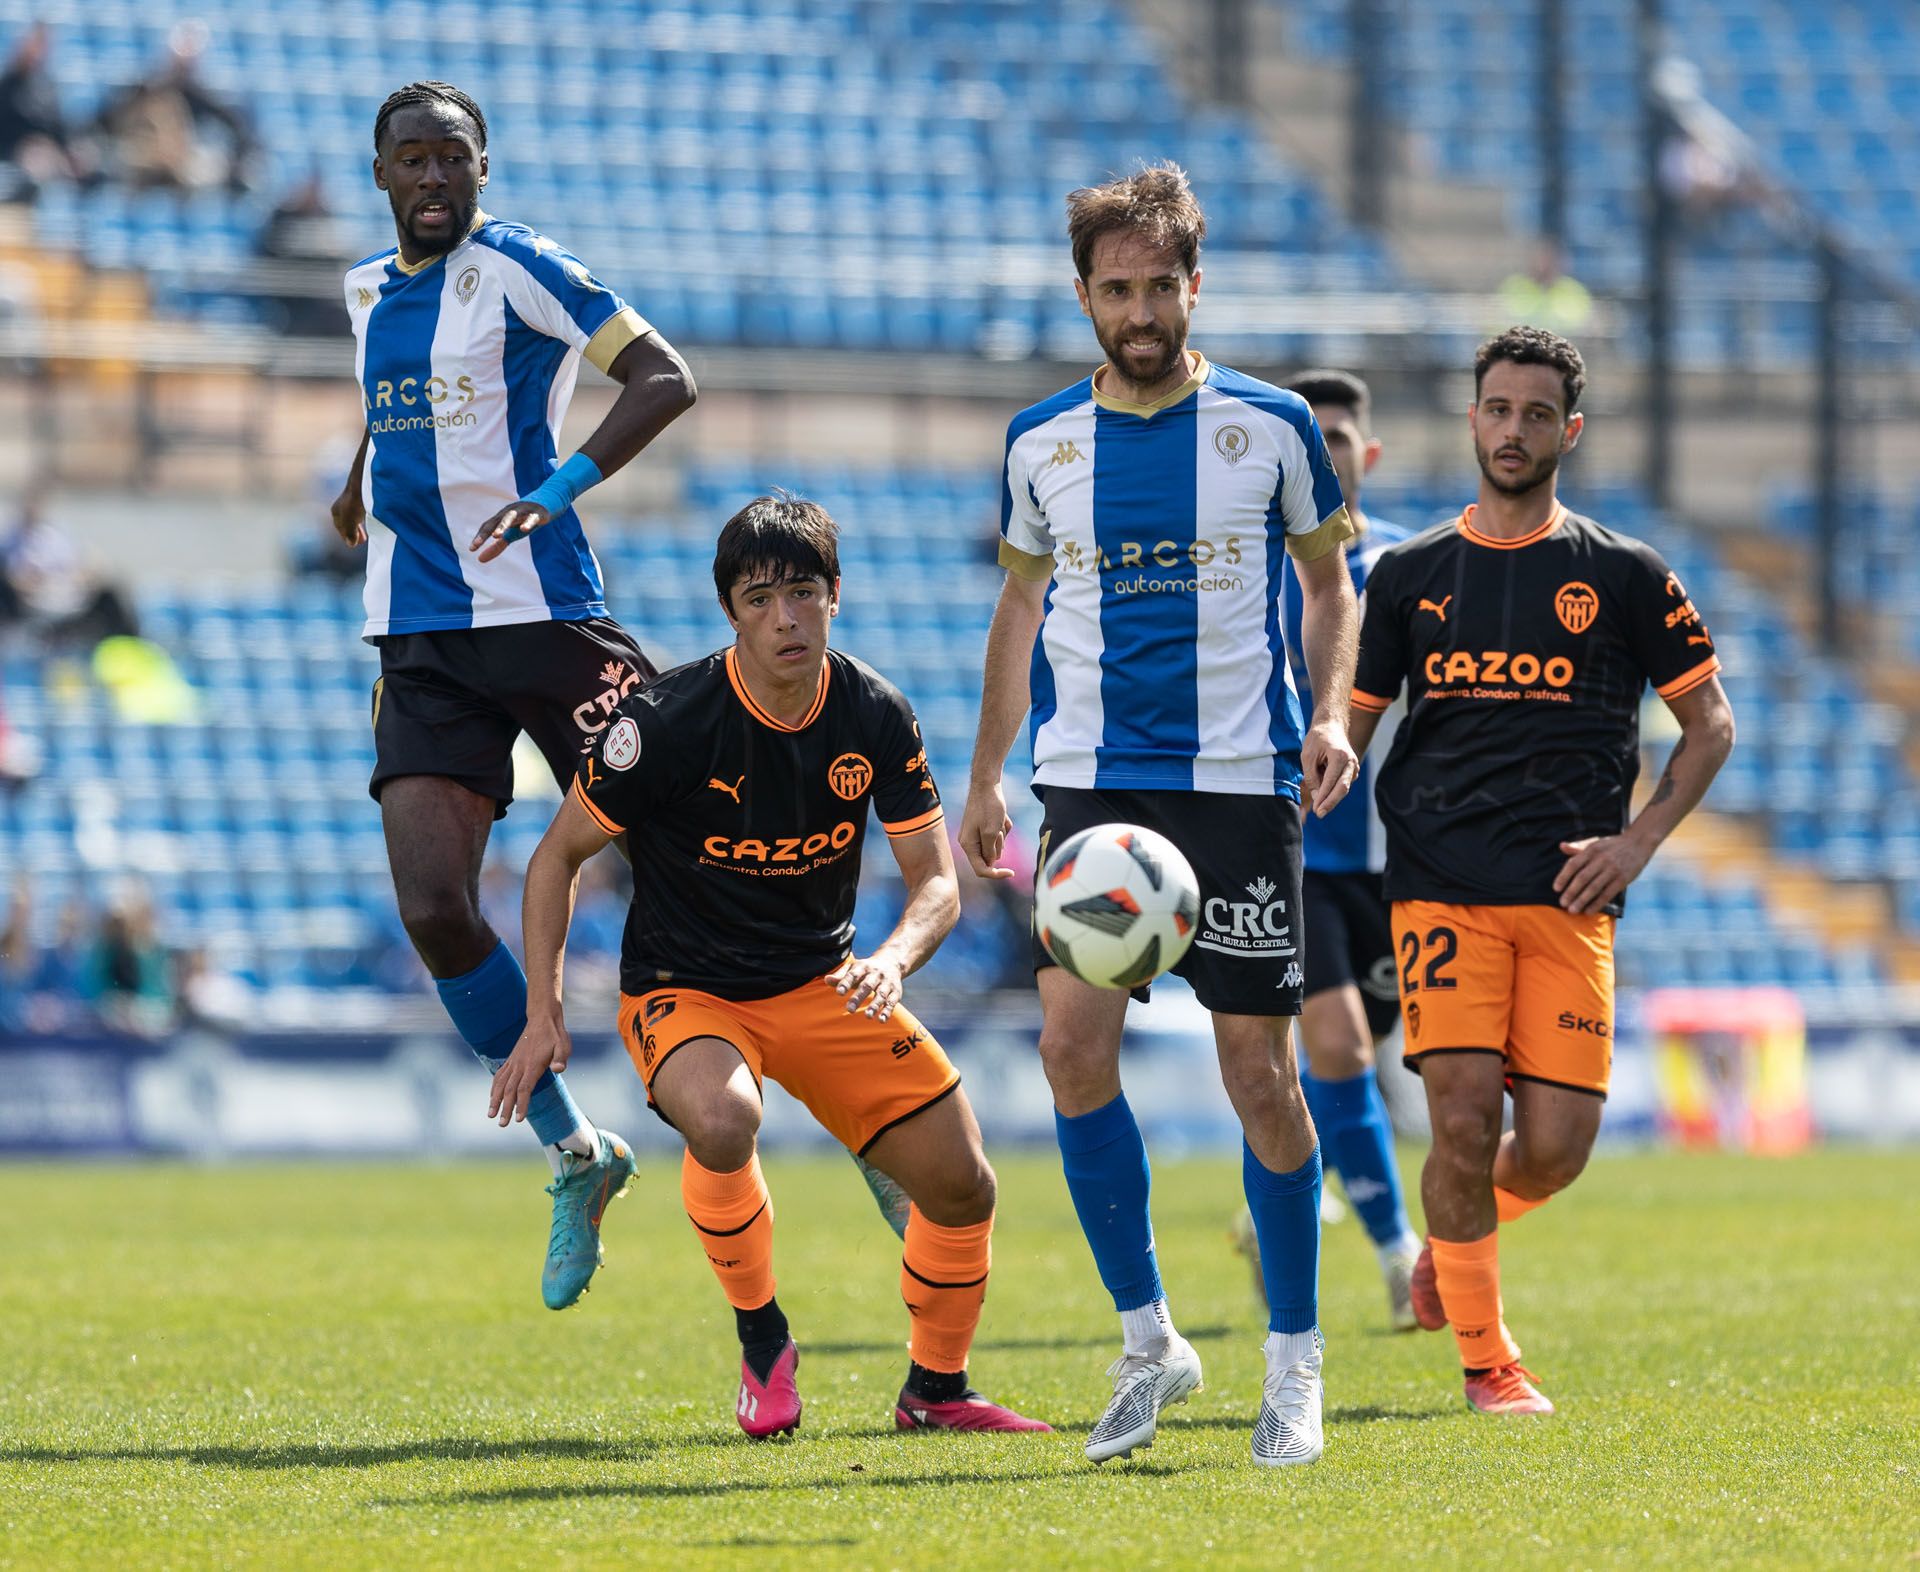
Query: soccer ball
pixel 1117 905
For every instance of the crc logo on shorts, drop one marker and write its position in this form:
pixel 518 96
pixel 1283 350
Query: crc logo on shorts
pixel 622 747
pixel 467 285
pixel 1576 606
pixel 1258 929
pixel 849 776
pixel 1231 443
pixel 592 717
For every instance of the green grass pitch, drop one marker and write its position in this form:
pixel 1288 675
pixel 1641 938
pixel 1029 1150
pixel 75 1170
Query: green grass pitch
pixel 328 1366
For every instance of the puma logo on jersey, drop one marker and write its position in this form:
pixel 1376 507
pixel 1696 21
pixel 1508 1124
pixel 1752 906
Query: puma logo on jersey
pixel 1439 611
pixel 593 777
pixel 733 791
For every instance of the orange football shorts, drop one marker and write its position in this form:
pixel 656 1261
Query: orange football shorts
pixel 1534 983
pixel 859 1077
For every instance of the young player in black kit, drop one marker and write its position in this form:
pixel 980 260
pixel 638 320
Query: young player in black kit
pixel 742 782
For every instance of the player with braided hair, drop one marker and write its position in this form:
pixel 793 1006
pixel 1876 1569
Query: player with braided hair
pixel 483 596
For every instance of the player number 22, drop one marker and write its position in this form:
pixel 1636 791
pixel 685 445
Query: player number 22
pixel 1442 946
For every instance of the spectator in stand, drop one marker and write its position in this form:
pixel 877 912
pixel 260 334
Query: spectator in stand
pixel 47 584
pixel 170 131
pixel 50 978
pixel 302 231
pixel 129 975
pixel 35 138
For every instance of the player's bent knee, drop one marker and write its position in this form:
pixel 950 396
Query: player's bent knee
pixel 967 1196
pixel 720 1133
pixel 1465 1135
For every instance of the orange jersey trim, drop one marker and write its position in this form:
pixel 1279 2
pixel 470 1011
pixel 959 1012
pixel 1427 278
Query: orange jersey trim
pixel 913 826
pixel 1465 526
pixel 1372 703
pixel 1687 681
pixel 594 813
pixel 765 719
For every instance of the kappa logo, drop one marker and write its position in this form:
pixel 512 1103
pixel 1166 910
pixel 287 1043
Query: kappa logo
pixel 1292 978
pixel 1065 453
pixel 1576 605
pixel 1439 611
pixel 714 783
pixel 849 775
pixel 363 300
pixel 1232 443
pixel 467 285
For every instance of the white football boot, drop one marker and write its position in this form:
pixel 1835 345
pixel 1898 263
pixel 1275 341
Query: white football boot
pixel 1289 1428
pixel 1141 1388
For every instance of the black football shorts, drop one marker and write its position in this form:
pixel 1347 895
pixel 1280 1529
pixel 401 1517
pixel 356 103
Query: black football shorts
pixel 452 703
pixel 1349 937
pixel 1247 957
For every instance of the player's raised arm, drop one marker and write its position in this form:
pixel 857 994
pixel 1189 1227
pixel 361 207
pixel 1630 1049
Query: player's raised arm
pixel 546 913
pixel 656 388
pixel 1329 634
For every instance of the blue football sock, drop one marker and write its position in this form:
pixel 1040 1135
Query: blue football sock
pixel 1357 1137
pixel 1106 1165
pixel 1286 1220
pixel 489 1008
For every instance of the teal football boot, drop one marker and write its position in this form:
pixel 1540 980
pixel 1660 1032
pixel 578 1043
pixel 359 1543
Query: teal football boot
pixel 580 1197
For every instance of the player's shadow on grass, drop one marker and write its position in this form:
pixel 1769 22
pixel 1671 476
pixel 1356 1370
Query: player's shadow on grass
pixel 640 1490
pixel 469 1449
pixel 1016 1345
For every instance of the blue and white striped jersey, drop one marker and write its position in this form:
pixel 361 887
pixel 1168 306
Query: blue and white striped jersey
pixel 1162 664
pixel 1349 839
pixel 467 364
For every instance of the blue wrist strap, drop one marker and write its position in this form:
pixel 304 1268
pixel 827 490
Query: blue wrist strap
pixel 557 492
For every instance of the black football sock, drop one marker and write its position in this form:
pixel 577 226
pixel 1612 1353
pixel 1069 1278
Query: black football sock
pixel 763 1333
pixel 936 1386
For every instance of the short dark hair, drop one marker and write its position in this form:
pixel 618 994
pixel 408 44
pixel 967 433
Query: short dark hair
pixel 780 538
pixel 427 92
pixel 1532 346
pixel 1155 202
pixel 1341 389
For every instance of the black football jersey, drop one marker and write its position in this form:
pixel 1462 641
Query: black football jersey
pixel 1524 663
pixel 745 832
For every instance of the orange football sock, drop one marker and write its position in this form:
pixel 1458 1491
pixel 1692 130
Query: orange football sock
pixel 943 1278
pixel 1468 1276
pixel 733 1216
pixel 1512 1207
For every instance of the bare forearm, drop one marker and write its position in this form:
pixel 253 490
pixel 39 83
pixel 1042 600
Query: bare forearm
pixel 657 389
pixel 933 907
pixel 1696 758
pixel 1361 727
pixel 1005 688
pixel 1329 634
pixel 546 913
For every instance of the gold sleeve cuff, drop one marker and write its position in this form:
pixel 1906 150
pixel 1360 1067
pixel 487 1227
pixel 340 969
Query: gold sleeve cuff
pixel 1317 543
pixel 614 335
pixel 1024 564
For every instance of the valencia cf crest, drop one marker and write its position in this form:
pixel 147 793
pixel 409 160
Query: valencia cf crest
pixel 849 775
pixel 1576 605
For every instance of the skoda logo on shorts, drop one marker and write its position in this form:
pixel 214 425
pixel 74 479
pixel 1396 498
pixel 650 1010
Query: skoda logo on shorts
pixel 622 746
pixel 849 775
